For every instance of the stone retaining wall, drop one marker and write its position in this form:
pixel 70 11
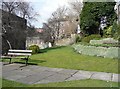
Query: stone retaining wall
pixel 111 52
pixel 104 41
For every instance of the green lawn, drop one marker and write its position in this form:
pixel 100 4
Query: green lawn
pixel 80 83
pixel 65 57
pixel 8 83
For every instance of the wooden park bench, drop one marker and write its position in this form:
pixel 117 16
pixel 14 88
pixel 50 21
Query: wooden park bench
pixel 17 54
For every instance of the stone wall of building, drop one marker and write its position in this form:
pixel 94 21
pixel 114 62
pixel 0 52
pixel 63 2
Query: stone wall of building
pixel 15 31
pixel 36 41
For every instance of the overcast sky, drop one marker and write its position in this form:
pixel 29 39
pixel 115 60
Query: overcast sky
pixel 45 9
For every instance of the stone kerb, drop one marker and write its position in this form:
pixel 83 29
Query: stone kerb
pixel 104 41
pixel 111 52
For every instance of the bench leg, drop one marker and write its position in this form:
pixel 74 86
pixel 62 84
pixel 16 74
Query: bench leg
pixel 2 60
pixel 26 61
pixel 10 61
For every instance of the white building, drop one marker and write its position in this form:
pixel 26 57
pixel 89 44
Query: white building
pixel 117 10
pixel 35 41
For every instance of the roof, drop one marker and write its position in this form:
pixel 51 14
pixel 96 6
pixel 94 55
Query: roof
pixel 39 30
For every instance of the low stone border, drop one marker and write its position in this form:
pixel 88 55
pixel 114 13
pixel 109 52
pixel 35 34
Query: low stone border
pixel 111 52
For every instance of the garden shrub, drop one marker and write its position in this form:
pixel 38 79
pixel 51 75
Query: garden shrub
pixel 35 49
pixel 91 37
pixel 112 31
pixel 108 31
pixel 78 39
pixel 117 32
pixel 91 14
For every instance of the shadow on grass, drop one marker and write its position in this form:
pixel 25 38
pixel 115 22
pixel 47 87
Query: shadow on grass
pixel 49 49
pixel 32 62
pixel 28 63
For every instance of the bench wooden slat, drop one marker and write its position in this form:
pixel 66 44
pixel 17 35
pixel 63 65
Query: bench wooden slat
pixel 5 57
pixel 20 54
pixel 8 57
pixel 20 51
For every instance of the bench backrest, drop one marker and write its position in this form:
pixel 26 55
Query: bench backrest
pixel 19 52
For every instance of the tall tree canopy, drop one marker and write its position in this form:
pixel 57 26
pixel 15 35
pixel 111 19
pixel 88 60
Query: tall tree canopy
pixel 91 15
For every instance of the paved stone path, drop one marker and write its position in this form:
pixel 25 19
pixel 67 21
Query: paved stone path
pixel 32 74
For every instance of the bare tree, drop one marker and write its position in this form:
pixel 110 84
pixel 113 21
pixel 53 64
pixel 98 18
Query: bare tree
pixel 55 21
pixel 50 32
pixel 10 6
pixel 20 8
pixel 61 24
pixel 59 13
pixel 25 10
pixel 76 5
pixel 75 9
pixel 47 33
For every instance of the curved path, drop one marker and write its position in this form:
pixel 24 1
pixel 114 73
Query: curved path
pixel 32 74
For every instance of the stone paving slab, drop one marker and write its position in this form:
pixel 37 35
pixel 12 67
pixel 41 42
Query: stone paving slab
pixel 10 67
pixel 67 71
pixel 54 78
pixel 31 67
pixel 33 74
pixel 81 75
pixel 34 78
pixel 55 69
pixel 116 78
pixel 41 68
pixel 26 72
pixel 102 76
pixel 15 77
pixel 6 74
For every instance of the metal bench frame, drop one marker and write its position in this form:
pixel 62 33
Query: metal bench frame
pixel 16 54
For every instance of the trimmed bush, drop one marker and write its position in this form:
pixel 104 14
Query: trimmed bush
pixel 91 37
pixel 35 49
pixel 78 39
pixel 108 31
